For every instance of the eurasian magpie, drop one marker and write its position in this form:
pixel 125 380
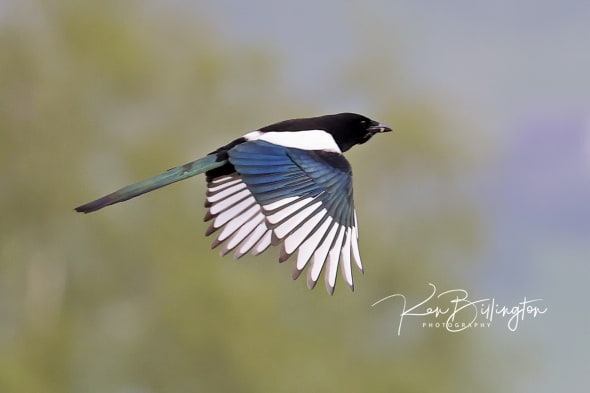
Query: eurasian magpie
pixel 285 184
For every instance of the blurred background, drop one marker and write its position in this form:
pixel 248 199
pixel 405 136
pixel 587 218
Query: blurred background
pixel 484 186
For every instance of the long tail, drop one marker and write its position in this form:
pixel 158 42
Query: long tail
pixel 153 183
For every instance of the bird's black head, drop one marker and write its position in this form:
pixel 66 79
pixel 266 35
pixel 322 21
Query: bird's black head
pixel 349 129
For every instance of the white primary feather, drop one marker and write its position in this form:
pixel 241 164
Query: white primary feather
pixel 281 202
pixel 223 179
pixel 222 182
pixel 263 243
pixel 289 225
pixel 296 238
pixel 345 255
pixel 225 193
pixel 254 237
pixel 309 246
pixel 333 258
pixel 237 222
pixel 248 227
pixel 355 249
pixel 229 201
pixel 224 217
pixel 319 256
pixel 286 211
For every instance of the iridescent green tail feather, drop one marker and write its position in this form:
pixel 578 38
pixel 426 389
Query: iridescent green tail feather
pixel 170 176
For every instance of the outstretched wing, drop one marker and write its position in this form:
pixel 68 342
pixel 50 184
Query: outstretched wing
pixel 300 199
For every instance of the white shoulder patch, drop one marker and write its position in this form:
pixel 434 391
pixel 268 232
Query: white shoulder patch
pixel 305 140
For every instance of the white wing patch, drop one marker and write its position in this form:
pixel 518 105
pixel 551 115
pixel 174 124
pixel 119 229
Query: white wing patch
pixel 306 140
pixel 298 224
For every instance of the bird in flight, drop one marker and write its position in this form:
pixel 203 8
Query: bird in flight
pixel 286 184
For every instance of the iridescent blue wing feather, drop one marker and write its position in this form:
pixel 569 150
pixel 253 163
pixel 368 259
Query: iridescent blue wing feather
pixel 305 201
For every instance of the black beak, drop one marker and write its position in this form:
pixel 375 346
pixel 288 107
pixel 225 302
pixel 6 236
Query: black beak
pixel 376 128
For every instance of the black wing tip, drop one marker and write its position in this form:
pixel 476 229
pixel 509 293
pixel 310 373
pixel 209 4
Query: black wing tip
pixel 283 255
